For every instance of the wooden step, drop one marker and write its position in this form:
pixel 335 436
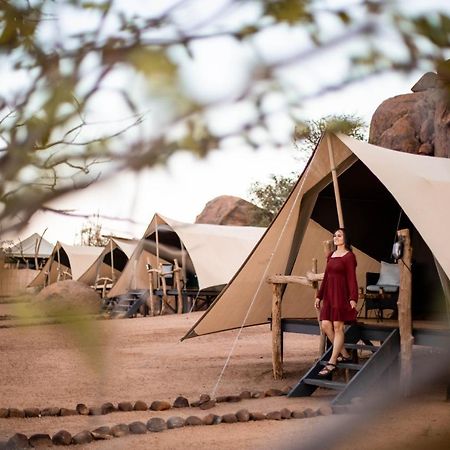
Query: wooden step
pixel 323 383
pixel 346 365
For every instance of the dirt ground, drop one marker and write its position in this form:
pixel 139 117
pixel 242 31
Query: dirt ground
pixel 143 359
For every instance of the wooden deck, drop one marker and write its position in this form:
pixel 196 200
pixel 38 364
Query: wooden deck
pixel 429 333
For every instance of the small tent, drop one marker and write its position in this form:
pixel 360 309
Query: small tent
pixel 67 262
pixel 381 191
pixel 111 261
pixel 209 255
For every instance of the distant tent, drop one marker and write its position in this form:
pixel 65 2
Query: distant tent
pixel 67 262
pixel 381 191
pixel 25 252
pixel 111 261
pixel 209 255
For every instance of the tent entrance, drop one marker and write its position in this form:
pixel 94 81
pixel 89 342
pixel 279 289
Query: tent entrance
pixel 372 217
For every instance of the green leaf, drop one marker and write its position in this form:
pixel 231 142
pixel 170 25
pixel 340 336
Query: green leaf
pixel 289 11
pixel 152 62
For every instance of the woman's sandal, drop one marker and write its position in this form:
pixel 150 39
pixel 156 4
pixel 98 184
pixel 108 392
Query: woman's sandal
pixel 325 372
pixel 342 359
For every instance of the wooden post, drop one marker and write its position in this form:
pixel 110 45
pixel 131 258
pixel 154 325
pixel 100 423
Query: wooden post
pixel 337 194
pixel 150 300
pixel 162 279
pixel 404 313
pixel 276 332
pixel 315 286
pixel 176 274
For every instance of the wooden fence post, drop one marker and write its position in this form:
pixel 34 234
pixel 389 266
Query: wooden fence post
pixel 404 313
pixel 276 331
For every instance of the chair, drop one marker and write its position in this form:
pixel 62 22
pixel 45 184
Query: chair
pixel 382 290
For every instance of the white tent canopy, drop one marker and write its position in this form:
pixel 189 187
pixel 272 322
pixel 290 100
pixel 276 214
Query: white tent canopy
pixel 213 252
pixel 66 262
pixel 382 190
pixel 110 262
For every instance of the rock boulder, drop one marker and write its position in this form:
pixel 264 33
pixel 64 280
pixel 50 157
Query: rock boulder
pixel 229 210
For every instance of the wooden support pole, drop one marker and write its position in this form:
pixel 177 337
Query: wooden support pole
pixel 337 194
pixel 277 361
pixel 404 313
pixel 322 342
pixel 162 279
pixel 177 277
pixel 150 299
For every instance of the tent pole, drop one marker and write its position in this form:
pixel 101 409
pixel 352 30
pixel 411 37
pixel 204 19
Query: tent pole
pixel 157 251
pixel 337 194
pixel 59 264
pixel 112 260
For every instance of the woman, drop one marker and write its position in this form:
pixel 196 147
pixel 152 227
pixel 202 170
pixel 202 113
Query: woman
pixel 339 294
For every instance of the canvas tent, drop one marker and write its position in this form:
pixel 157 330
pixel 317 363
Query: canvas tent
pixel 67 262
pixel 27 251
pixel 111 261
pixel 381 191
pixel 208 254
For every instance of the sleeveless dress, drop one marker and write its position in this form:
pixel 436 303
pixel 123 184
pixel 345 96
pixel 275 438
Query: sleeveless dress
pixel 338 287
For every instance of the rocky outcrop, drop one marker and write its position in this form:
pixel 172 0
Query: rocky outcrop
pixel 418 122
pixel 229 210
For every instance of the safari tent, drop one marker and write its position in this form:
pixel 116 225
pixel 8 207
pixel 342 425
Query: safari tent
pixel 67 262
pixel 381 191
pixel 31 253
pixel 20 264
pixel 111 261
pixel 208 255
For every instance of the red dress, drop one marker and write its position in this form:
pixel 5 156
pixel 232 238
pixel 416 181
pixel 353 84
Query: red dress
pixel 338 287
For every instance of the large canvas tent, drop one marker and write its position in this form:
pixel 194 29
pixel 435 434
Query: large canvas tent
pixel 209 255
pixel 66 262
pixel 111 261
pixel 381 191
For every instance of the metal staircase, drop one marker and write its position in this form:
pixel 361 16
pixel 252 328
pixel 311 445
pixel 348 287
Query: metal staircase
pixel 128 305
pixel 357 337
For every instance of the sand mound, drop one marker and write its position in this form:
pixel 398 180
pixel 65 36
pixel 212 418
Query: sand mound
pixel 68 297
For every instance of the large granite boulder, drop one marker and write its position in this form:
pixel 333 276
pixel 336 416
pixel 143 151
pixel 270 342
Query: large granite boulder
pixel 229 210
pixel 418 122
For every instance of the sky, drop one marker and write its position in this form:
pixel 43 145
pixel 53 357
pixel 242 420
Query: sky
pixel 181 190
pixel 127 202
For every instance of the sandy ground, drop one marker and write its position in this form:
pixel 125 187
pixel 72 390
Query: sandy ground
pixel 143 359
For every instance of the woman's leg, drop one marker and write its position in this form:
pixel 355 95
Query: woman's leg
pixel 327 328
pixel 338 342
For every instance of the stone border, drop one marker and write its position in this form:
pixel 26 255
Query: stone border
pixel 157 425
pixel 205 402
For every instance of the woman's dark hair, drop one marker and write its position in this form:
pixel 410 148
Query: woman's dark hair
pixel 347 242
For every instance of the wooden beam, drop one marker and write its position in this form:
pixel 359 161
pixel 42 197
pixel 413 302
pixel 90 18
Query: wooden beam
pixel 277 361
pixel 337 194
pixel 404 313
pixel 284 279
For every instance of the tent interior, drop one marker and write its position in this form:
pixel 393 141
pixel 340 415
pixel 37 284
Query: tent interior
pixel 117 257
pixel 372 218
pixel 170 247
